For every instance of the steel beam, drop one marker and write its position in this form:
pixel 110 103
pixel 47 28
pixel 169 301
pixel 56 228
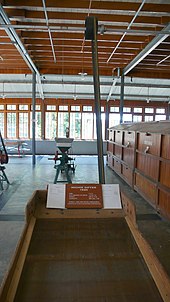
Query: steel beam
pixel 148 49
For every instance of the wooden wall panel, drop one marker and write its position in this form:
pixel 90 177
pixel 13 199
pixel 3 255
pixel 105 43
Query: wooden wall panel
pixel 146 188
pixel 129 138
pixel 165 173
pixel 164 202
pixel 148 165
pixel 149 143
pixel 128 156
pixel 118 136
pixel 165 149
pixel 118 151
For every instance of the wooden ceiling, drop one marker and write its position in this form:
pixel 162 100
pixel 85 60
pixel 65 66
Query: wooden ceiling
pixel 50 36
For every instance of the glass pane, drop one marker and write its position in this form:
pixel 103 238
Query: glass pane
pixel 114 119
pixel 137 110
pixel 1 107
pixel 160 110
pixel 137 118
pixel 23 107
pixel 103 126
pixel 75 125
pixel 126 109
pixel 127 118
pixel 160 117
pixel 102 108
pixel 63 123
pixel 87 125
pixel 87 108
pixel 148 110
pixel 148 118
pixel 2 123
pixel 11 107
pixel 11 125
pixel 114 109
pixel 37 124
pixel 23 125
pixel 63 108
pixel 51 107
pixel 75 108
pixel 50 125
pixel 37 107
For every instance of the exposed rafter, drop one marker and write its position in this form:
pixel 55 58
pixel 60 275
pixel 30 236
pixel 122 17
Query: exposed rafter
pixel 20 47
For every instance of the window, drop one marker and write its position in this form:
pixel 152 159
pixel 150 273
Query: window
pixel 148 118
pixel 23 107
pixel 51 108
pixel 126 109
pixel 11 107
pixel 149 110
pixel 63 123
pixel 87 125
pixel 23 125
pixel 160 110
pixel 37 124
pixel 63 108
pixel 75 125
pixel 2 123
pixel 127 118
pixel 1 107
pixel 137 110
pixel 103 126
pixel 50 125
pixel 160 117
pixel 114 119
pixel 75 108
pixel 11 125
pixel 137 118
pixel 114 109
pixel 37 107
pixel 87 108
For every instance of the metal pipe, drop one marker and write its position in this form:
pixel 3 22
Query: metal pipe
pixel 130 24
pixel 107 121
pixel 33 117
pixel 97 105
pixel 121 98
pixel 49 31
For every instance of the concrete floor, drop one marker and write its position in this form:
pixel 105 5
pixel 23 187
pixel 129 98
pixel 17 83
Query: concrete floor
pixel 25 179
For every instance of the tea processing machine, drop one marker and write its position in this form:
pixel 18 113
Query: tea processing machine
pixel 66 162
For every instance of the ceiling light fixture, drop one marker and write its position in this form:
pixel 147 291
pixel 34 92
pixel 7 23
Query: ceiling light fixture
pixel 75 96
pixel 148 98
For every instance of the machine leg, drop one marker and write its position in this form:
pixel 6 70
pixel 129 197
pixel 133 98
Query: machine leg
pixel 5 177
pixel 56 176
pixel 67 175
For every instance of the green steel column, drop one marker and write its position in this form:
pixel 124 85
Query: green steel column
pixel 33 117
pixel 121 98
pixel 91 34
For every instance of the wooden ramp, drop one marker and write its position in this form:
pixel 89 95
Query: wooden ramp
pixel 65 256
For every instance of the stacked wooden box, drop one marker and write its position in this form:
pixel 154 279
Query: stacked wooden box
pixel 140 154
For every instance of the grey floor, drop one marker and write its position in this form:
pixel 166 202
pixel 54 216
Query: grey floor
pixel 25 179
